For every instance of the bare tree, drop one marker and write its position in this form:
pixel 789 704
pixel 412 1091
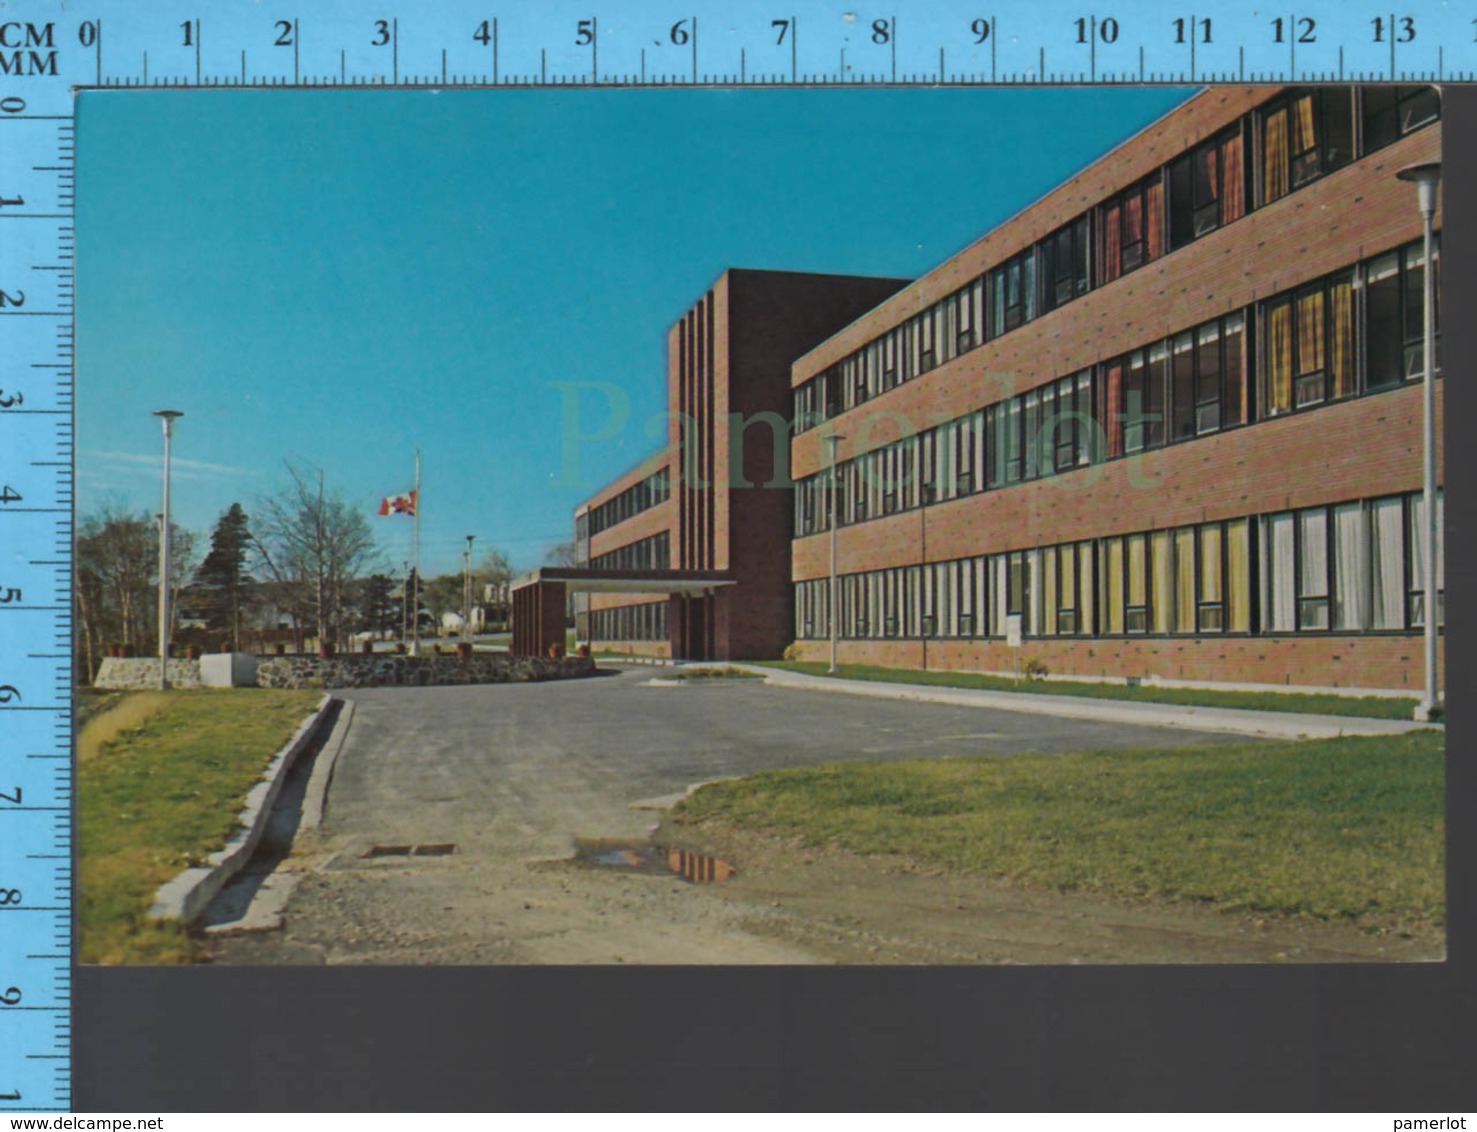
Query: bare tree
pixel 312 545
pixel 117 580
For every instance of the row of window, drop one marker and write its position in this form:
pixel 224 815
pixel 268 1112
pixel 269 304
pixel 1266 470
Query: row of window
pixel 654 553
pixel 645 622
pixel 1294 139
pixel 1357 331
pixel 643 496
pixel 1349 567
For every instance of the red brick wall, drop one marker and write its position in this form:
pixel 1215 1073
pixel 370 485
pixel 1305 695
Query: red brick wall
pixel 1386 662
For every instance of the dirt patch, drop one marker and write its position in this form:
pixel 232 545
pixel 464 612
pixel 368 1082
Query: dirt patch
pixel 850 909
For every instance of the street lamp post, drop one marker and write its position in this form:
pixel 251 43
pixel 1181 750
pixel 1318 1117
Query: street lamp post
pixel 1426 178
pixel 167 416
pixel 467 624
pixel 833 440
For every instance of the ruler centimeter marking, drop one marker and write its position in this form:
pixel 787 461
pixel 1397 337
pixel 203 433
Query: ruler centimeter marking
pixel 49 49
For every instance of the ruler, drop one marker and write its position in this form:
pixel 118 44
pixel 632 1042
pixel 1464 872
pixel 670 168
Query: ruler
pixel 50 49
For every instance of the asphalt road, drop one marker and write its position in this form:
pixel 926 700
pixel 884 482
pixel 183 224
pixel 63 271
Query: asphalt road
pixel 513 774
pixel 528 767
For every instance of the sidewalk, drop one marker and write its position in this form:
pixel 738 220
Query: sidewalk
pixel 1234 721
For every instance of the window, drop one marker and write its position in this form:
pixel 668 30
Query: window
pixel 1415 513
pixel 1004 424
pixel 1067 423
pixel 1309 346
pixel 1064 264
pixel 1391 112
pixel 1013 293
pixel 1394 316
pixel 1132 229
pixel 1305 134
pixel 1207 188
pixel 967 315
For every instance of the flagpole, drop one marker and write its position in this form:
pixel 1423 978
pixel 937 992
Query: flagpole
pixel 415 602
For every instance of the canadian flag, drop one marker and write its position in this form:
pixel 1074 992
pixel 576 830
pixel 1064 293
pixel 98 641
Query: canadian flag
pixel 399 504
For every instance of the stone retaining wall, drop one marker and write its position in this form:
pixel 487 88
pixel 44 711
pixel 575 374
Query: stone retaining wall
pixel 141 673
pixel 391 670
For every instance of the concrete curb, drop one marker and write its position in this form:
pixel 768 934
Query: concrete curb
pixel 187 895
pixel 315 800
pixel 1233 721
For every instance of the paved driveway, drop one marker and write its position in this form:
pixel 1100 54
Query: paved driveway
pixel 513 774
pixel 527 767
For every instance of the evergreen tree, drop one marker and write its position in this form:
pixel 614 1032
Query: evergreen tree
pixel 224 583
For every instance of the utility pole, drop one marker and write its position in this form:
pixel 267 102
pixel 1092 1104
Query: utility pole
pixel 168 417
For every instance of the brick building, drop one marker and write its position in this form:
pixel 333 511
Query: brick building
pixel 715 499
pixel 1165 422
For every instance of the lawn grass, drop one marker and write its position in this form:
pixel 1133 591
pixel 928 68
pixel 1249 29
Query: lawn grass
pixel 711 672
pixel 1317 703
pixel 1337 829
pixel 161 777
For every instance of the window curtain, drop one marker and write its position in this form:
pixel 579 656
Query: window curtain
pixel 1210 574
pixel 1137 589
pixel 1278 591
pixel 1310 331
pixel 1112 242
pixel 1350 567
pixel 1113 416
pixel 1313 569
pixel 1387 565
pixel 1184 580
pixel 1154 221
pixel 1341 339
pixel 1161 599
pixel 1113 592
pixel 1085 620
pixel 1279 358
pixel 1233 194
pixel 1274 156
pixel 1067 597
pixel 1238 577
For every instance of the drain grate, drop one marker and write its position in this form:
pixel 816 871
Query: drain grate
pixel 643 857
pixel 441 849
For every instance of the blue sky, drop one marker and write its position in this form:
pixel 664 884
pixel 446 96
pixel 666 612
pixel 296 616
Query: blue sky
pixel 338 278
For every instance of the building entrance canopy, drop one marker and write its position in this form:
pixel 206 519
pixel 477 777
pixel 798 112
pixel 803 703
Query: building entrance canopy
pixel 538 599
pixel 693 583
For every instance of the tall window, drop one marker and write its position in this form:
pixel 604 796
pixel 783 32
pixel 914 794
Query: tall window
pixel 1309 351
pixel 1207 188
pixel 967 316
pixel 1013 293
pixel 1391 112
pixel 1394 316
pixel 1305 134
pixel 1132 229
pixel 1064 263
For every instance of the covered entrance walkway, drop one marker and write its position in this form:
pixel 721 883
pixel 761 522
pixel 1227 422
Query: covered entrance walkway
pixel 539 603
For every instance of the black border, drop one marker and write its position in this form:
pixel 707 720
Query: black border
pixel 1338 1038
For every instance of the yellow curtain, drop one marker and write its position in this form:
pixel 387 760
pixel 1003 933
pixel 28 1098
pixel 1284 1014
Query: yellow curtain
pixel 1048 596
pixel 1115 585
pixel 1163 597
pixel 1184 579
pixel 1310 333
pixel 1137 545
pixel 1274 156
pixel 1341 343
pixel 1233 199
pixel 1210 563
pixel 1279 358
pixel 1238 577
pixel 1069 580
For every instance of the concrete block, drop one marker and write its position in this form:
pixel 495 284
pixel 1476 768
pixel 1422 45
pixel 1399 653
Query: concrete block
pixel 228 670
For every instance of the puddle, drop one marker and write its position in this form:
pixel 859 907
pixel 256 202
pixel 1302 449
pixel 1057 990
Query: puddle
pixel 655 860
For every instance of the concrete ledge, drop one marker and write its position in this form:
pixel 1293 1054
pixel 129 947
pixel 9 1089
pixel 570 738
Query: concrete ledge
pixel 1232 721
pixel 186 896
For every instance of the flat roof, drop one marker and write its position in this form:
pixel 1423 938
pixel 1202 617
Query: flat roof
pixel 584 580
